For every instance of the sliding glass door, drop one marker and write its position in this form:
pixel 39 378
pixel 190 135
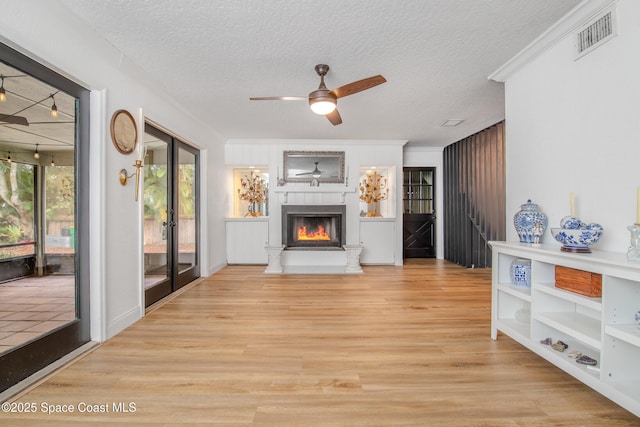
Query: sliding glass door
pixel 171 223
pixel 44 217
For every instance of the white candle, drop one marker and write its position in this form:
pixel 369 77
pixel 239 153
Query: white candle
pixel 638 207
pixel 572 202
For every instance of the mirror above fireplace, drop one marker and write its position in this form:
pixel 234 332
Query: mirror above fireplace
pixel 314 166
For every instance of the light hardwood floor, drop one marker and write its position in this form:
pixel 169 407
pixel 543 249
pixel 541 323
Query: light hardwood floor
pixel 405 346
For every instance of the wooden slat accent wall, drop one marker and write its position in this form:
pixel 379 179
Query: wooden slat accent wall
pixel 474 197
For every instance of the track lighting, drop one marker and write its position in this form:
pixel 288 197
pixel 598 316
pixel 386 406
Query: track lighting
pixel 3 93
pixel 36 154
pixel 54 108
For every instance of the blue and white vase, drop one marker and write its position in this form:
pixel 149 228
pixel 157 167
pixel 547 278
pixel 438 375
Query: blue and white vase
pixel 521 272
pixel 530 223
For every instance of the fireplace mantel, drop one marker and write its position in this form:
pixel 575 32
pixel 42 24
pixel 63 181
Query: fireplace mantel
pixel 342 190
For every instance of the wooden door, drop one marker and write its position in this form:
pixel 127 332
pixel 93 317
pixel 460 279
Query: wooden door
pixel 418 213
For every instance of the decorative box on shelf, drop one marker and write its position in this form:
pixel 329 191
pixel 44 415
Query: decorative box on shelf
pixel 579 281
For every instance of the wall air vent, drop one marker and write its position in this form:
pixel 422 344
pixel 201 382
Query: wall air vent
pixel 596 33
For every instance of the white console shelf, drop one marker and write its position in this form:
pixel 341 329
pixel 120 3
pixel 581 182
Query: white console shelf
pixel 601 328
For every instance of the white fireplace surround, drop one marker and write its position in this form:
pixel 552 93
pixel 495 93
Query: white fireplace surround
pixel 344 259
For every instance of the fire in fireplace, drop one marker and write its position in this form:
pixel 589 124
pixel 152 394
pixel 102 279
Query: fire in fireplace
pixel 313 226
pixel 319 234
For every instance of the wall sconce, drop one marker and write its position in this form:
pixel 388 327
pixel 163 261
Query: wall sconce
pixel 124 176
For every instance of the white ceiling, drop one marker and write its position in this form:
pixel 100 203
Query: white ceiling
pixel 212 55
pixel 30 100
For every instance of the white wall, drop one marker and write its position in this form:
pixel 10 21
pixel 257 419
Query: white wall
pixel 574 126
pixel 430 157
pixel 358 153
pixel 116 219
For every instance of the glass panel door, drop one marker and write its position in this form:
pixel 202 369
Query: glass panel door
pixel 44 217
pixel 187 208
pixel 170 214
pixel 157 236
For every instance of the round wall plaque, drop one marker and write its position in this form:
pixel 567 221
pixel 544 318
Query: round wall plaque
pixel 124 132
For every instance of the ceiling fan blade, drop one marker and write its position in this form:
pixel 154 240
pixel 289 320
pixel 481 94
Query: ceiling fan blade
pixel 334 117
pixel 279 98
pixel 359 86
pixel 69 122
pixel 14 120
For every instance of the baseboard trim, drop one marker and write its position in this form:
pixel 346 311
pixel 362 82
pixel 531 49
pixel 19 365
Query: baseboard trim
pixel 26 385
pixel 123 321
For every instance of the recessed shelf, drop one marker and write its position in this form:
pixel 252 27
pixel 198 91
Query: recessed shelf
pixel 568 363
pixel 550 289
pixel 628 333
pixel 515 329
pixel 579 326
pixel 516 291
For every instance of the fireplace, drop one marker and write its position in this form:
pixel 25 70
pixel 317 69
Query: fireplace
pixel 317 227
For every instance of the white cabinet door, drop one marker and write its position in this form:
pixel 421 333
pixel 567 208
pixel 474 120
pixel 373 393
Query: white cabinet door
pixel 246 241
pixel 377 238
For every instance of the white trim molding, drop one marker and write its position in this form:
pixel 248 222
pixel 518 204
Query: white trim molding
pixel 569 23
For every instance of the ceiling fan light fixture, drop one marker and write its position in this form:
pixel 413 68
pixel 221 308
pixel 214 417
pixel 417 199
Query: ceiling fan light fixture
pixel 322 102
pixel 323 107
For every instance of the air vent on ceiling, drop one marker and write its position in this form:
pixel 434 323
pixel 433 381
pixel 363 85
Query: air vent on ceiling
pixel 596 33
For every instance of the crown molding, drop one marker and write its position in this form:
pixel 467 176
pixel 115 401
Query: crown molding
pixel 346 142
pixel 569 23
pixel 422 149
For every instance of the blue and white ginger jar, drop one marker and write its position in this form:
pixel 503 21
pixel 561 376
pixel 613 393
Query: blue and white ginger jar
pixel 521 272
pixel 530 223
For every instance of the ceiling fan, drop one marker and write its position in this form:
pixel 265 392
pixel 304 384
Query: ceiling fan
pixel 324 101
pixel 6 119
pixel 316 173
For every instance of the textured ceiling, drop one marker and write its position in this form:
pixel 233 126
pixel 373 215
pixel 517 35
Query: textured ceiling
pixel 212 55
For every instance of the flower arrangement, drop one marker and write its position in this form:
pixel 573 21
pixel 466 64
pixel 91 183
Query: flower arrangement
pixel 254 190
pixel 373 189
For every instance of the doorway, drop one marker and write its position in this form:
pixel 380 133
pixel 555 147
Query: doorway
pixel 171 221
pixel 44 216
pixel 418 221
